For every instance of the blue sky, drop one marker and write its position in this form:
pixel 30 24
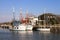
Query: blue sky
pixel 35 7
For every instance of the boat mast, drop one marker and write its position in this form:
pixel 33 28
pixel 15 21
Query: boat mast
pixel 21 17
pixel 13 17
pixel 13 14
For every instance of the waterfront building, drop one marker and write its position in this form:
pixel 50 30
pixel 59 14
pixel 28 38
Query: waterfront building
pixel 33 20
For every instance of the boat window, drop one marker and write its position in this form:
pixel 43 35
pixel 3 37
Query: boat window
pixel 16 23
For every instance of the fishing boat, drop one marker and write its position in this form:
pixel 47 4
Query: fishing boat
pixel 23 24
pixel 21 27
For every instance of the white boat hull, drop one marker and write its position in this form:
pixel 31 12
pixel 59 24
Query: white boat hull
pixel 23 27
pixel 29 27
pixel 44 29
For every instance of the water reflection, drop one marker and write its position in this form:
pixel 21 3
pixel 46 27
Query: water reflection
pixel 45 35
pixel 22 35
pixel 23 32
pixel 27 35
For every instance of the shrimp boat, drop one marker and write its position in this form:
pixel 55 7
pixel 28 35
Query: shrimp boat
pixel 21 27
